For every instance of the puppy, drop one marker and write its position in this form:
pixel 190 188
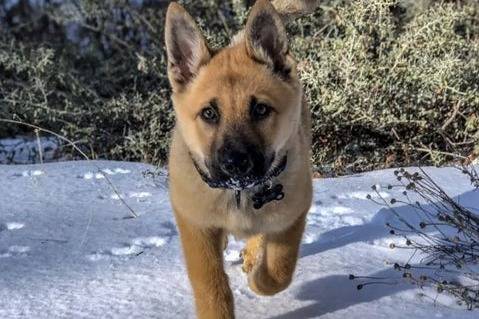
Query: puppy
pixel 239 160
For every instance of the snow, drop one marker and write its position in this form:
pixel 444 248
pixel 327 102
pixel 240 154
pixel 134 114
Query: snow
pixel 70 249
pixel 101 174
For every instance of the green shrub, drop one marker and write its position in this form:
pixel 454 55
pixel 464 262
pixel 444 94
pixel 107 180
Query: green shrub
pixel 384 91
pixel 389 84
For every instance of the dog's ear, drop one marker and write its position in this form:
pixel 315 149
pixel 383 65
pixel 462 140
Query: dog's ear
pixel 266 38
pixel 186 47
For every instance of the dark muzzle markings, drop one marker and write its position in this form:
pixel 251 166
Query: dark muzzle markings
pixel 266 194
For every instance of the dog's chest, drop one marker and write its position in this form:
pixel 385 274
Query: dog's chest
pixel 244 220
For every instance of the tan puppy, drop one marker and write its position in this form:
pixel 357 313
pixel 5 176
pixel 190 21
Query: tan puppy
pixel 240 155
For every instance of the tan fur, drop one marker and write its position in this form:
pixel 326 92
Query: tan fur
pixel 206 215
pixel 290 8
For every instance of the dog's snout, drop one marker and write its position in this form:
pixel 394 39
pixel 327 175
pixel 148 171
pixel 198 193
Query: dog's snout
pixel 238 160
pixel 236 163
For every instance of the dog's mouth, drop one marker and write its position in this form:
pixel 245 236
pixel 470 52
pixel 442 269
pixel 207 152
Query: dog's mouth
pixel 243 182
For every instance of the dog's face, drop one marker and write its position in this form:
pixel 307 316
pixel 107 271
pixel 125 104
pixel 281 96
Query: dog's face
pixel 236 108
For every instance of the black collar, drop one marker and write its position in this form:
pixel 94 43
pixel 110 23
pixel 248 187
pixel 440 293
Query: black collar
pixel 267 192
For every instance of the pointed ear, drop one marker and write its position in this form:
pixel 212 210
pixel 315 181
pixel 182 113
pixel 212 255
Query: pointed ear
pixel 266 39
pixel 186 47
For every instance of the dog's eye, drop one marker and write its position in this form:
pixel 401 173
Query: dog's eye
pixel 210 115
pixel 260 111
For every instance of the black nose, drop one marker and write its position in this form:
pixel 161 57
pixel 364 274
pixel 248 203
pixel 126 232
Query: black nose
pixel 236 163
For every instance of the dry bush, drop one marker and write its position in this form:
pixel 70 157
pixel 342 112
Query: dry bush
pixel 389 83
pixel 386 88
pixel 441 233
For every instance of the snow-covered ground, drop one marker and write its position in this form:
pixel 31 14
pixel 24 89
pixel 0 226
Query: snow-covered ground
pixel 68 249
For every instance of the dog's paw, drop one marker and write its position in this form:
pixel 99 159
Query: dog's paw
pixel 248 260
pixel 251 254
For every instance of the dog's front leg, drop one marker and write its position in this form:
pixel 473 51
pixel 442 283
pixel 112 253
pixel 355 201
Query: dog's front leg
pixel 203 251
pixel 276 258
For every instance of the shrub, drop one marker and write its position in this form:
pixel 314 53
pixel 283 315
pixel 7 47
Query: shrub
pixel 441 233
pixel 389 83
pixel 383 91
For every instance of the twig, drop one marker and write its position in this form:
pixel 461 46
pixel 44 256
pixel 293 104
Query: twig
pixel 225 24
pixel 431 151
pixel 39 144
pixel 452 117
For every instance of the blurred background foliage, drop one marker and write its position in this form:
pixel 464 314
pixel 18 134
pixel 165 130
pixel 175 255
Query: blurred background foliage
pixel 390 82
